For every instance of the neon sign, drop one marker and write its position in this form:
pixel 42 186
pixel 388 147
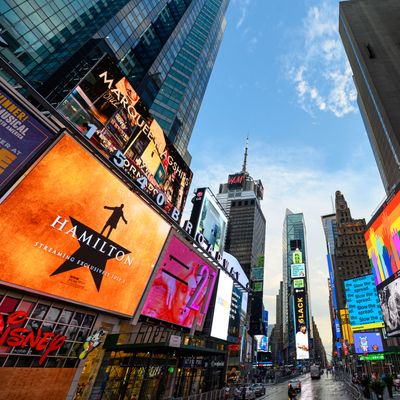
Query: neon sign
pixel 14 336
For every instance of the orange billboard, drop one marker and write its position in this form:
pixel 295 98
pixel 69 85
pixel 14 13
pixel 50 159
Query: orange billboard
pixel 72 230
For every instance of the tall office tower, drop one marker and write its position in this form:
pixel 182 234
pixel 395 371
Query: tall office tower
pixel 319 352
pixel 330 230
pixel 245 238
pixel 240 197
pixel 276 334
pixel 370 33
pixel 166 48
pixel 351 256
pixel 296 297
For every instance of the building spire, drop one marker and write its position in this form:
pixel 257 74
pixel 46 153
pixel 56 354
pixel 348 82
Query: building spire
pixel 244 168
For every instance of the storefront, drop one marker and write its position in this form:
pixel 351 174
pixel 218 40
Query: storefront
pixel 157 362
pixel 40 344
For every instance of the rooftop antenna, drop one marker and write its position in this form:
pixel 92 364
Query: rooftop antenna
pixel 244 168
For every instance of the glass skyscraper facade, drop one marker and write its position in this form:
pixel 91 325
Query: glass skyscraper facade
pixel 166 48
pixel 294 239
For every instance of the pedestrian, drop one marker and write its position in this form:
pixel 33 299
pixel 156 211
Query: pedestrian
pixel 291 393
pixel 244 393
pixel 388 379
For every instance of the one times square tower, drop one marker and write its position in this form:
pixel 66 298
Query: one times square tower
pixel 166 48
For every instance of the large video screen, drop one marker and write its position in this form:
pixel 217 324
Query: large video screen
pixel 300 319
pixel 367 342
pixel 363 303
pixel 127 133
pixel 298 271
pixel 383 241
pixel 222 308
pixel 389 298
pixel 209 219
pixel 262 342
pixel 72 230
pixel 22 137
pixel 182 288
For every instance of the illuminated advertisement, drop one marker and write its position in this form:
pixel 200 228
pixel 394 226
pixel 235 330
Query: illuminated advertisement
pixel 108 111
pixel 22 137
pixel 298 283
pixel 239 300
pixel 182 288
pixel 78 233
pixel 363 303
pixel 300 322
pixel 236 181
pixel 234 316
pixel 383 240
pixel 389 294
pixel 222 308
pixel 298 271
pixel 262 342
pixel 368 342
pixel 346 327
pixel 209 219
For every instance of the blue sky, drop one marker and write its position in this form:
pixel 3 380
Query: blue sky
pixel 282 77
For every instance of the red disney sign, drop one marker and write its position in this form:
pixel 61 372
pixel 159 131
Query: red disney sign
pixel 14 336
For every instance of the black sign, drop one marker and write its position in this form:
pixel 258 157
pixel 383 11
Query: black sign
pixel 234 319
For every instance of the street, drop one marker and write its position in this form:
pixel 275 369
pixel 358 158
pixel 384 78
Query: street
pixel 325 388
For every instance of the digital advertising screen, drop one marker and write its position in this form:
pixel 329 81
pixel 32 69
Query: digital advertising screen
pixel 22 137
pixel 298 271
pixel 383 240
pixel 389 299
pixel 209 219
pixel 363 303
pixel 78 233
pixel 126 132
pixel 300 322
pixel 222 308
pixel 298 283
pixel 234 316
pixel 236 181
pixel 368 342
pixel 182 288
pixel 262 342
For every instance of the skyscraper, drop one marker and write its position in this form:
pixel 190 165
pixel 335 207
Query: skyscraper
pixel 166 48
pixel 245 238
pixel 240 197
pixel 369 31
pixel 296 308
pixel 347 258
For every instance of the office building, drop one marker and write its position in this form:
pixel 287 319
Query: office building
pixel 240 197
pixel 370 35
pixel 166 48
pixel 319 352
pixel 276 339
pixel 295 284
pixel 347 258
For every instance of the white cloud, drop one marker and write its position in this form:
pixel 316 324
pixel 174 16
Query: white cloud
pixel 308 189
pixel 243 7
pixel 318 66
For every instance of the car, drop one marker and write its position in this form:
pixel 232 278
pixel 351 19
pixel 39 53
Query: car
pixel 296 385
pixel 258 389
pixel 250 394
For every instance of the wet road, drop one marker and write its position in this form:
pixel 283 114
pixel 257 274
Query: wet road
pixel 316 389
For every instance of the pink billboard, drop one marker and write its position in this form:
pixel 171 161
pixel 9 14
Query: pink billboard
pixel 182 288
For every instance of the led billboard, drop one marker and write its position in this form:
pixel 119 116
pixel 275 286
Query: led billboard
pixel 298 283
pixel 236 181
pixel 300 322
pixel 209 219
pixel 363 303
pixel 78 233
pixel 182 288
pixel 22 137
pixel 368 342
pixel 222 308
pixel 298 271
pixel 389 295
pixel 383 240
pixel 108 111
pixel 262 342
